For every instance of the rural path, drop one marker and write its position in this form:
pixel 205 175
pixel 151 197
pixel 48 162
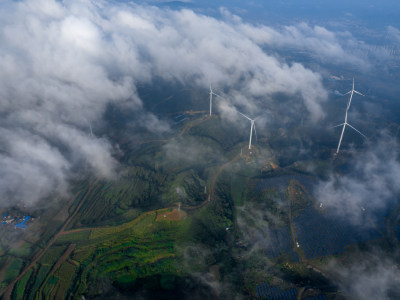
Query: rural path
pixel 291 223
pixel 300 293
pixel 212 188
pixel 302 259
pixel 213 183
pixel 220 169
pixel 6 293
pixel 62 258
pixel 79 230
pixel 193 123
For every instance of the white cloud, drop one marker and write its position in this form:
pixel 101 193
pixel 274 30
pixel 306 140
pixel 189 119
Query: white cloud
pixel 373 275
pixel 63 62
pixel 394 33
pixel 371 183
pixel 325 45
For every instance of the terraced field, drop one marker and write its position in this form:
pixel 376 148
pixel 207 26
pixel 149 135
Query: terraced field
pixel 170 224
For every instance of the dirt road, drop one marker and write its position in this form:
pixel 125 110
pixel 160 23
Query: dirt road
pixel 6 293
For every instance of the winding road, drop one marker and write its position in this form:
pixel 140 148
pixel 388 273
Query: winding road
pixel 6 293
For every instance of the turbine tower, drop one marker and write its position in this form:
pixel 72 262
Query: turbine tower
pixel 252 126
pixel 211 97
pixel 211 94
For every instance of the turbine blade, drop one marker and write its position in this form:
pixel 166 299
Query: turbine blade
pixel 245 116
pixel 347 93
pixel 217 95
pixel 337 125
pixel 358 93
pixel 357 131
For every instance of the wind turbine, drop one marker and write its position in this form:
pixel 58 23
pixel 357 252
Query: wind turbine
pixel 252 126
pixel 345 118
pixel 344 127
pixel 211 96
pixel 351 95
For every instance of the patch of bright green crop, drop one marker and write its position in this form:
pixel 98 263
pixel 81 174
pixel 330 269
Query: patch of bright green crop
pixel 19 290
pixel 138 249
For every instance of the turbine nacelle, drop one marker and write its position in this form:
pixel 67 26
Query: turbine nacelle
pixel 351 92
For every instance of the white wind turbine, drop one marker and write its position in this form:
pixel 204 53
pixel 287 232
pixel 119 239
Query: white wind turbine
pixel 211 96
pixel 252 126
pixel 345 118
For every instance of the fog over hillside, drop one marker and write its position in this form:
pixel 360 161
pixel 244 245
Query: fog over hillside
pixel 104 106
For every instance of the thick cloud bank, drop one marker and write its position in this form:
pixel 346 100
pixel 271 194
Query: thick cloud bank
pixel 62 63
pixel 371 275
pixel 370 186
